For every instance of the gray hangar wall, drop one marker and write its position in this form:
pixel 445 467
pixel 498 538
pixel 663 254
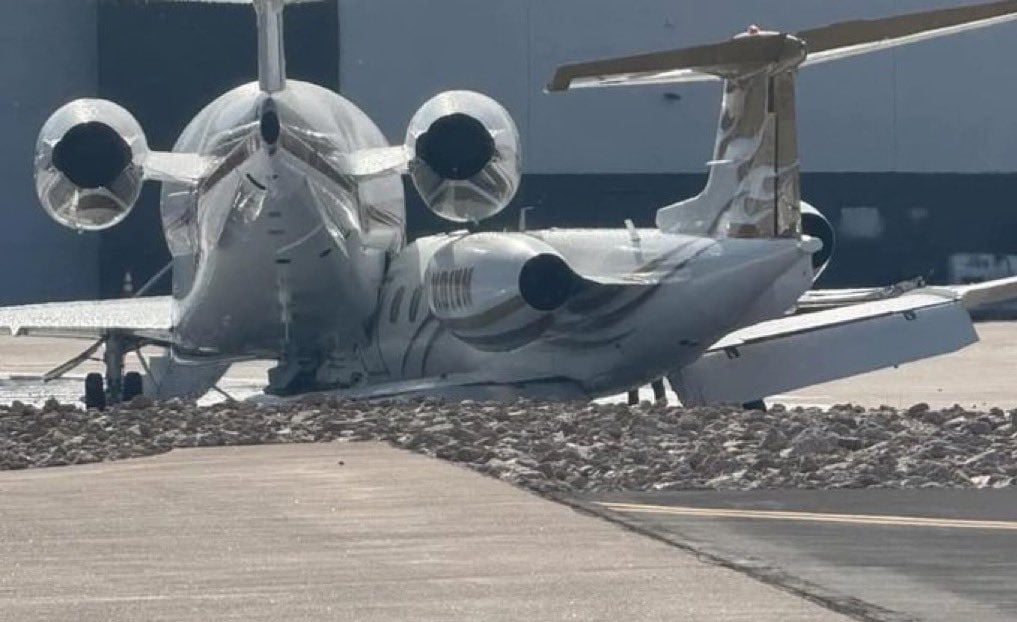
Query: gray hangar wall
pixel 49 57
pixel 163 62
pixel 910 152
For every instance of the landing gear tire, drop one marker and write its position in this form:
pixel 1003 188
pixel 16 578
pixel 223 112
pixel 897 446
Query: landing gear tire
pixel 659 392
pixel 133 386
pixel 95 392
pixel 755 405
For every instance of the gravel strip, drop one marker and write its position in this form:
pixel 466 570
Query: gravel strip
pixel 563 447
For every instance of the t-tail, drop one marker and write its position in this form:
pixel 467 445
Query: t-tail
pixel 753 188
pixel 271 49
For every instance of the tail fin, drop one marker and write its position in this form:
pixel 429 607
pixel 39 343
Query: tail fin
pixel 271 50
pixel 753 189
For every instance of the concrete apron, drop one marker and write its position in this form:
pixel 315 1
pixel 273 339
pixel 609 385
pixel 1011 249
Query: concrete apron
pixel 337 531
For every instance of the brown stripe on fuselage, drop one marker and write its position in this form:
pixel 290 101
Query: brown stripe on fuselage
pixel 511 339
pixel 227 165
pixel 615 315
pixel 439 330
pixel 485 318
pixel 301 150
pixel 429 320
pixel 598 296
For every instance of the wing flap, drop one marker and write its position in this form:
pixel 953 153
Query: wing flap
pixel 799 351
pixel 149 317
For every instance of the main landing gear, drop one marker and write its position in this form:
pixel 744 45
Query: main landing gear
pixel 659 393
pixel 114 386
pixel 96 396
pixel 118 386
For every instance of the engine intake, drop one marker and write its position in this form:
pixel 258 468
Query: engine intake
pixel 498 292
pixel 88 172
pixel 466 157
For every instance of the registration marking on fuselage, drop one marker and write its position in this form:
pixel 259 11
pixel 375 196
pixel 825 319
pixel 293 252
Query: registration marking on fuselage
pixel 815 517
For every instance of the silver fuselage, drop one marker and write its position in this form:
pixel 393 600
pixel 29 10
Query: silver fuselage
pixel 275 256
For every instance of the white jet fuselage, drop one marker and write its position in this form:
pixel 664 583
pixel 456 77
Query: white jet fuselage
pixel 279 255
pixel 284 213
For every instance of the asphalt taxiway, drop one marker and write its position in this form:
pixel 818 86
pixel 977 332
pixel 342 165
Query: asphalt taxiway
pixel 936 555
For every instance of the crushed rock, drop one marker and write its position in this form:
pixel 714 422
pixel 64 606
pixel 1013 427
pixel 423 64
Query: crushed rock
pixel 572 447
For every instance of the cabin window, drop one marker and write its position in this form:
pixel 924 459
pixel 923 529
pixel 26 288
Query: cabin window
pixel 397 300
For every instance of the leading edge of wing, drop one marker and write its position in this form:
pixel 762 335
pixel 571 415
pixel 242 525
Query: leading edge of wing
pixel 149 317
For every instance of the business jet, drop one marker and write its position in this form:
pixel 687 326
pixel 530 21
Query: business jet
pixel 282 206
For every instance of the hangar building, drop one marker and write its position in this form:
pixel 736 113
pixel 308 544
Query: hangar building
pixel 911 153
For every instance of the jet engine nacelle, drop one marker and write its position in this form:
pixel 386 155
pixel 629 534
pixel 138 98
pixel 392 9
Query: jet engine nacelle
pixel 466 158
pixel 498 292
pixel 816 225
pixel 88 172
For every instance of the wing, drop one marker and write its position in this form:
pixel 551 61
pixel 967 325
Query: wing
pixel 149 318
pixel 802 350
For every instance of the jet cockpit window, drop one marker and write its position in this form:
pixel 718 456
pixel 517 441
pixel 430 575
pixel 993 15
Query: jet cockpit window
pixel 397 300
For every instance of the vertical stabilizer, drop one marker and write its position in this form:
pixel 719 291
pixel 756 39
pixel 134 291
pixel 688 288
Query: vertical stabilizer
pixel 753 189
pixel 271 51
pixel 271 48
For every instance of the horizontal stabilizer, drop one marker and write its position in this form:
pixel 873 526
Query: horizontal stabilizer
pixel 862 36
pixel 757 50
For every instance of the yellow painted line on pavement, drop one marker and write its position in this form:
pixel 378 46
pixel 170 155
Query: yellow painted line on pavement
pixel 813 517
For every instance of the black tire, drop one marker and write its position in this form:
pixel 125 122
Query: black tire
pixel 634 397
pixel 659 392
pixel 95 392
pixel 133 385
pixel 755 405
